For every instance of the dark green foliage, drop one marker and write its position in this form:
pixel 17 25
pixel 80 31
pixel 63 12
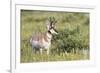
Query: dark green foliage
pixel 67 40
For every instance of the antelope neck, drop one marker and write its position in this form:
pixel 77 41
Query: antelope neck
pixel 49 35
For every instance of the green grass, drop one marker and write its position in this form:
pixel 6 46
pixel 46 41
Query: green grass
pixel 73 28
pixel 47 58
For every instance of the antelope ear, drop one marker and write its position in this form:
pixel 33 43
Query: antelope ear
pixel 54 24
pixel 47 24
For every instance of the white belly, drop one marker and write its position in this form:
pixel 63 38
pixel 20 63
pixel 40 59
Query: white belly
pixel 44 44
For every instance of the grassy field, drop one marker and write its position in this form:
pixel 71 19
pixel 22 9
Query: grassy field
pixel 72 43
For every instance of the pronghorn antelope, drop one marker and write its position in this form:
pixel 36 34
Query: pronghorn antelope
pixel 43 40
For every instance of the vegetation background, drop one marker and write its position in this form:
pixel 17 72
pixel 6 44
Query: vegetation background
pixel 72 42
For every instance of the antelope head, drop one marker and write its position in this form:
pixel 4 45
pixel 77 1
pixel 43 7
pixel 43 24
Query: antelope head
pixel 51 25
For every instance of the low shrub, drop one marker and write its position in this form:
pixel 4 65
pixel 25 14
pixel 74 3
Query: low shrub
pixel 67 40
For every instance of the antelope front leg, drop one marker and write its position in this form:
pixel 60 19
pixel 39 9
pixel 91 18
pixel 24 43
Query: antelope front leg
pixel 41 51
pixel 47 51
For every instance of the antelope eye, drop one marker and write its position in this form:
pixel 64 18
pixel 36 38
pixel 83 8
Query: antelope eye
pixel 53 25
